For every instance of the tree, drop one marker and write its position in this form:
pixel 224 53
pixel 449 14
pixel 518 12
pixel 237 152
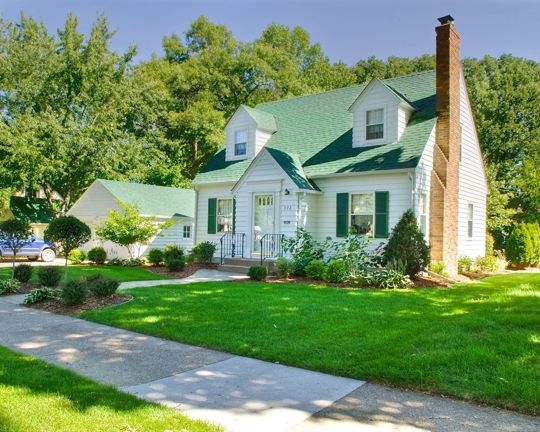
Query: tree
pixel 14 235
pixel 129 229
pixel 518 246
pixel 69 233
pixel 407 245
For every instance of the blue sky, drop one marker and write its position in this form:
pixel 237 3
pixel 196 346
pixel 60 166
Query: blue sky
pixel 348 30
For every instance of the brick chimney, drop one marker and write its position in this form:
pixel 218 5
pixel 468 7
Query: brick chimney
pixel 445 174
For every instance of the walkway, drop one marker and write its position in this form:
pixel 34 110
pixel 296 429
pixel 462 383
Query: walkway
pixel 240 393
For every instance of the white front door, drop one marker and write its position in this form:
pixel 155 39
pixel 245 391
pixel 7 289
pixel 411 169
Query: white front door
pixel 263 219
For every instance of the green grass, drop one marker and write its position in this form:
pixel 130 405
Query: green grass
pixel 36 396
pixel 477 341
pixel 122 274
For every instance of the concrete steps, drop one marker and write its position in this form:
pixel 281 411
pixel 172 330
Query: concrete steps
pixel 242 265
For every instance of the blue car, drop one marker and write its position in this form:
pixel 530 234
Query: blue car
pixel 37 249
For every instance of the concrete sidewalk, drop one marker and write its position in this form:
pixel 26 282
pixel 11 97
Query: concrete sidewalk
pixel 240 393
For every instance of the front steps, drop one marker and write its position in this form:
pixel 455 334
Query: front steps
pixel 242 265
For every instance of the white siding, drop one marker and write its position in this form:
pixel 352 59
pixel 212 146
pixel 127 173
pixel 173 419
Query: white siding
pixel 423 179
pixel 396 115
pixel 96 202
pixel 256 138
pixel 398 185
pixel 261 138
pixel 173 234
pixel 472 184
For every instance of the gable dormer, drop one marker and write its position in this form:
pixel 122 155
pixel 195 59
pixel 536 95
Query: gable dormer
pixel 247 132
pixel 380 115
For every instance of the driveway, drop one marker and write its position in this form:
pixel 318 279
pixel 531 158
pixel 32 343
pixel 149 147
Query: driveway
pixel 240 393
pixel 5 263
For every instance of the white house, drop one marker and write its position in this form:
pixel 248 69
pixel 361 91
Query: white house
pixel 162 203
pixel 358 157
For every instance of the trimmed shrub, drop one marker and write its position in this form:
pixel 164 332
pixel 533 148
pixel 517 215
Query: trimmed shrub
pixel 23 272
pixel 9 286
pixel 258 272
pixel 335 271
pixel 103 286
pixel 175 264
pixel 97 255
pixel 155 256
pixel 315 269
pixel 488 264
pixel 49 276
pixel 438 267
pixel 76 256
pixel 465 264
pixel 518 246
pixel 284 267
pixel 74 292
pixel 203 252
pixel 40 294
pixel 407 243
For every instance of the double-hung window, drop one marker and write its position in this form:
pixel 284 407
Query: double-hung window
pixel 240 142
pixel 470 220
pixel 224 215
pixel 187 231
pixel 374 124
pixel 362 212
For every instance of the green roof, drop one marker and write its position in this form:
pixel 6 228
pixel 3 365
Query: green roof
pixel 264 120
pixel 293 167
pixel 318 129
pixel 30 210
pixel 153 200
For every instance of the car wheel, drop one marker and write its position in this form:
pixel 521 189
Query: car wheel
pixel 48 255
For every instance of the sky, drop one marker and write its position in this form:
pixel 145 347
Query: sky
pixel 347 30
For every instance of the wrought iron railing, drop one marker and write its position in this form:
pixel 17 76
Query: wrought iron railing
pixel 232 245
pixel 271 246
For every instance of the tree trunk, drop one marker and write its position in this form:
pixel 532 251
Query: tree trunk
pixel 13 269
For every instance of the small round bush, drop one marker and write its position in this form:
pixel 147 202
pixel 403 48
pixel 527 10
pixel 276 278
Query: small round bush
pixel 315 269
pixel 284 267
pixel 172 251
pixel 465 264
pixel 487 264
pixel 155 256
pixel 74 292
pixel 203 252
pixel 23 272
pixel 10 286
pixel 258 272
pixel 335 271
pixel 103 286
pixel 49 276
pixel 76 256
pixel 175 264
pixel 97 255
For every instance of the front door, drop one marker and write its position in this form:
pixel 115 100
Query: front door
pixel 263 219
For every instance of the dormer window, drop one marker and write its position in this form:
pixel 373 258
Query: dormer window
pixel 240 142
pixel 375 124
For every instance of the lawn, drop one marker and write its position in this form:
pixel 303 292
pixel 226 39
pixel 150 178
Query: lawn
pixel 122 274
pixel 36 396
pixel 478 341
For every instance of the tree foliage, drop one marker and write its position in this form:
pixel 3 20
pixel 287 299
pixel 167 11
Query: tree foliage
pixel 14 235
pixel 69 233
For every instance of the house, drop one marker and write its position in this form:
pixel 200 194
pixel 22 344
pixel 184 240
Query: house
pixel 162 203
pixel 34 211
pixel 356 157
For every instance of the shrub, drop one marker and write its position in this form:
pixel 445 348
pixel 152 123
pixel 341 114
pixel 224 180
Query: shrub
pixel 74 292
pixel 175 264
pixel 487 264
pixel 115 262
pixel 97 255
pixel 40 294
pixel 352 251
pixel 258 272
pixel 518 245
pixel 9 286
pixel 103 286
pixel 203 252
pixel 335 271
pixel 407 243
pixel 132 262
pixel 398 265
pixel 69 232
pixel 315 269
pixel 438 267
pixel 76 256
pixel 392 279
pixel 172 251
pixel 303 249
pixel 284 266
pixel 490 245
pixel 362 279
pixel 49 276
pixel 465 264
pixel 23 272
pixel 155 256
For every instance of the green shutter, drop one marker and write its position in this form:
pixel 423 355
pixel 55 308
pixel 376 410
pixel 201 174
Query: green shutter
pixel 234 215
pixel 342 214
pixel 212 215
pixel 381 214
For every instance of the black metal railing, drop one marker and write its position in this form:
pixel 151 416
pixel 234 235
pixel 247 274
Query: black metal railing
pixel 232 245
pixel 271 246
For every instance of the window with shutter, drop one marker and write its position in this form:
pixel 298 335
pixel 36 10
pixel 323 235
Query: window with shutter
pixel 381 214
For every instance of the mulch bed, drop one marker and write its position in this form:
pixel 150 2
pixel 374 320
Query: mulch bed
pixel 92 302
pixel 26 287
pixel 189 269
